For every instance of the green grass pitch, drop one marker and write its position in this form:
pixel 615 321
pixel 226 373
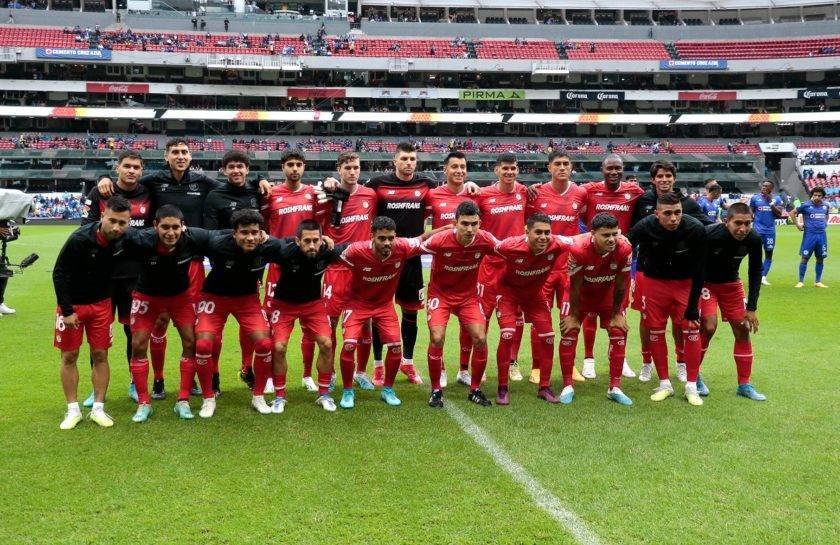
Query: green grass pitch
pixel 732 471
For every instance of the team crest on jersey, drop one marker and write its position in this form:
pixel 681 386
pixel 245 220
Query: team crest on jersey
pixel 550 257
pixel 627 196
pixel 365 204
pixel 478 255
pixel 613 266
pixel 544 205
pixel 253 202
pixel 193 187
pixel 309 196
pixel 397 265
pixel 574 206
pixel 518 197
pixel 278 199
pixel 417 193
pixel 232 204
pixel 142 209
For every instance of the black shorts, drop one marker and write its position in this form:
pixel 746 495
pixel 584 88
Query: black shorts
pixel 409 293
pixel 121 290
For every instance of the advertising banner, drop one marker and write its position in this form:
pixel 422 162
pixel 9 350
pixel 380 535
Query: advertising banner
pixel 695 64
pixel 819 94
pixel 491 94
pixel 131 88
pixel 694 96
pixel 593 95
pixel 73 54
pixel 317 92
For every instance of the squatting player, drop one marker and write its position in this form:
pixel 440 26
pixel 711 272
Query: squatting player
pixel 766 208
pixel 814 240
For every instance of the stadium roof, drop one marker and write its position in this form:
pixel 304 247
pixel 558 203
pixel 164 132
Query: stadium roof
pixel 605 4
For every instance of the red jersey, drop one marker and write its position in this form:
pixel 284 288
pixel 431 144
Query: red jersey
pixel 503 214
pixel 564 209
pixel 375 280
pixel 441 204
pixel 455 266
pixel 599 271
pixel 525 273
pixel 357 214
pixel 619 203
pixel 284 209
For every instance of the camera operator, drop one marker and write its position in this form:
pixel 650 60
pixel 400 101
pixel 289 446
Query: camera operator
pixel 5 234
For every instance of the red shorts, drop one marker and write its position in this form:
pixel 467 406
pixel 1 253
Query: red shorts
pixel 94 320
pixel 213 311
pixel 729 296
pixel 384 318
pixel 439 308
pixel 270 283
pixel 556 287
pixel 336 282
pixel 312 315
pixel 145 310
pixel 488 275
pixel 637 287
pixel 537 311
pixel 196 274
pixel 663 299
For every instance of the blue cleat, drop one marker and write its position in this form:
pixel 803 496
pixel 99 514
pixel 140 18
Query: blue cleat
pixel 388 396
pixel 348 399
pixel 747 390
pixel 702 389
pixel 182 409
pixel 363 381
pixel 88 403
pixel 619 397
pixel 144 411
pixel 567 395
pixel 132 393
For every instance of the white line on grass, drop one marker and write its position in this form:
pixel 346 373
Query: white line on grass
pixel 541 496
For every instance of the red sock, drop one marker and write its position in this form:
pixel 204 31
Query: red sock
pixel 363 353
pixel 214 358
pixel 590 329
pixel 743 360
pixel 543 352
pixel 140 376
pixel 435 355
pixel 617 351
pixel 517 340
pixel 188 367
pixel 465 341
pixel 659 352
pixel 324 383
pixel 392 364
pixel 705 340
pixel 535 340
pixel 247 346
pixel 679 347
pixel 647 357
pixel 279 380
pixel 262 370
pixel 307 352
pixel 157 349
pixel 503 353
pixel 479 365
pixel 346 363
pixel 568 346
pixel 692 350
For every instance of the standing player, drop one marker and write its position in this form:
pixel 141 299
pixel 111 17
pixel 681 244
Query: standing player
pixel 562 201
pixel 766 209
pixel 286 205
pixel 672 251
pixel 712 204
pixel 599 263
pixel 82 281
pixel 129 170
pixel 814 241
pixel 728 244
pixel 618 198
pixel 297 296
pixel 349 224
pixel 457 254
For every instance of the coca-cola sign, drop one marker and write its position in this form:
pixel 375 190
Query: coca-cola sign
pixel 694 96
pixel 119 88
pixel 594 95
pixel 819 94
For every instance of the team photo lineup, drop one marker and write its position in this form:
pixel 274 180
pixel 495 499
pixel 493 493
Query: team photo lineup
pixel 340 254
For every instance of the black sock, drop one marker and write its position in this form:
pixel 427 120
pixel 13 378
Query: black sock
pixel 376 344
pixel 408 328
pixel 127 331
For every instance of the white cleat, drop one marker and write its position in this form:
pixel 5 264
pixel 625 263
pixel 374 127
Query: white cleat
pixel 278 405
pixel 645 372
pixel 626 371
pixel 682 373
pixel 588 368
pixel 208 408
pixel 71 420
pixel 764 281
pixel 6 310
pixel 444 382
pixel 269 385
pixel 259 404
pixel 464 378
pixel 326 403
pixel 309 384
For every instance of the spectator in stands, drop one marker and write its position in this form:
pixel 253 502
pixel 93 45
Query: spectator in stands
pixel 227 24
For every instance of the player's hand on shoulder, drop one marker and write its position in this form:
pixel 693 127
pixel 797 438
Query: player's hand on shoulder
pixel 472 188
pixel 265 186
pixel 328 242
pixel 532 191
pixel 105 187
pixel 263 237
pixel 330 184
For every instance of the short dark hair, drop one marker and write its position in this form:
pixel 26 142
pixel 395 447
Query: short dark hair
pixel 307 225
pixel 236 156
pixel 454 155
pixel 817 189
pixel 467 208
pixel 292 154
pixel 505 158
pixel 246 216
pixel 346 157
pixel 558 153
pixel 382 223
pixel 405 147
pixel 709 182
pixel 118 203
pixel 539 217
pixel 738 208
pixel 660 165
pixel 129 154
pixel 603 220
pixel 169 211
pixel 668 199
pixel 177 141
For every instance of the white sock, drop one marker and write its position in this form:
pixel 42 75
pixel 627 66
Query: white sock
pixel 378 363
pixel 691 387
pixel 73 408
pixel 665 383
pixel 408 361
pixel 98 407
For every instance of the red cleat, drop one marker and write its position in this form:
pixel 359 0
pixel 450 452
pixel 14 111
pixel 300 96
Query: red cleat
pixel 408 370
pixel 379 376
pixel 548 395
pixel 502 397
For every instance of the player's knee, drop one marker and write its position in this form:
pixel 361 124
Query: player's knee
pixel 820 260
pixel 204 346
pixel 709 329
pixel 262 346
pixel 436 337
pixel 139 344
pixel 409 316
pixel 479 341
pixel 280 348
pixel 69 357
pixel 324 343
pixel 99 356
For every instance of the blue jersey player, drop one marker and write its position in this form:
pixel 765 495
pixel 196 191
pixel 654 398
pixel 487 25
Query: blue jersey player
pixel 712 204
pixel 766 208
pixel 814 241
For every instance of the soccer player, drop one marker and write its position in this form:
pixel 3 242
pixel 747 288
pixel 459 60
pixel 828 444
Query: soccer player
pixel 502 208
pixel 297 296
pixel 728 244
pixel 457 254
pixel 237 261
pixel 528 261
pixel 350 224
pixel 766 209
pixel 286 205
pixel 129 170
pixel 712 204
pixel 814 241
pixel 165 253
pixel 562 201
pixel 672 251
pixel 376 266
pixel 599 263
pixel 82 281
pixel 618 198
